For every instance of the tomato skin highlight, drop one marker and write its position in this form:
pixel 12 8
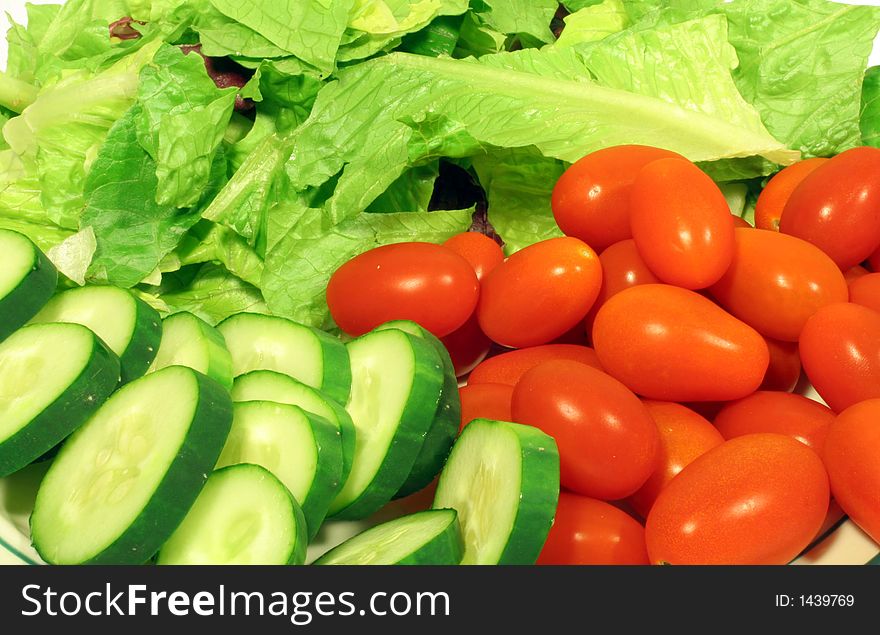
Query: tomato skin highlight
pixel 607 441
pixel 785 413
pixel 772 199
pixel 756 499
pixel 684 435
pixel 508 368
pixel 672 344
pixel 422 282
pixel 784 370
pixel 850 454
pixel 681 224
pixel 483 253
pixel 840 351
pixel 776 282
pixel 865 291
pixel 590 531
pixel 539 293
pixel 837 207
pixel 485 401
pixel 590 200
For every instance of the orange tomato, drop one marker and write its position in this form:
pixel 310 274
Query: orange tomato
pixel 509 367
pixel 784 370
pixel 467 346
pixel 483 253
pixel 485 401
pixel 772 200
pixel 853 273
pixel 865 290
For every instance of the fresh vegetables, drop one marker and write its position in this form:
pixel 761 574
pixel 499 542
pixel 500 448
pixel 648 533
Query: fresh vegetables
pixel 27 281
pixel 188 340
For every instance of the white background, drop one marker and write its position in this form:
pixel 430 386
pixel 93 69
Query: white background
pixel 16 9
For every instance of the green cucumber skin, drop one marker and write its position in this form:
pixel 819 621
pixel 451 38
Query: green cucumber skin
pixel 336 378
pixel 144 343
pixel 64 415
pixel 301 546
pixel 219 359
pixel 328 475
pixel 31 295
pixel 181 485
pixel 408 438
pixel 444 429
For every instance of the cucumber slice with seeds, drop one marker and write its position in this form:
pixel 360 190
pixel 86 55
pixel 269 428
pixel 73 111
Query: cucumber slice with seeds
pixel 503 479
pixel 431 537
pixel 267 385
pixel 302 449
pixel 447 419
pixel 129 326
pixel 264 342
pixel 27 281
pixel 189 341
pixel 244 515
pixel 124 481
pixel 52 378
pixel 396 384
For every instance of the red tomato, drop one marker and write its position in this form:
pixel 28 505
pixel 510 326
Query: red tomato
pixel 675 345
pixel 874 261
pixel 591 199
pixel 757 499
pixel 776 282
pixel 853 273
pixel 866 291
pixel 840 351
pixel 483 253
pixel 837 207
pixel 684 435
pixel 467 346
pixel 408 281
pixel 780 412
pixel 607 441
pixel 589 531
pixel 485 401
pixel 509 367
pixel 851 451
pixel 622 268
pixel 784 370
pixel 539 293
pixel 772 200
pixel 739 221
pixel 681 223
pixel 575 335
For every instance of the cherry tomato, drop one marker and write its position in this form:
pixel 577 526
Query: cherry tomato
pixel 780 412
pixel 407 281
pixel 482 252
pixel 681 224
pixel 776 282
pixel 684 435
pixel 591 199
pixel 756 499
pixel 467 346
pixel 772 200
pixel 622 268
pixel 607 441
pixel 784 370
pixel 509 367
pixel 590 531
pixel 840 351
pixel 853 273
pixel 874 261
pixel 739 221
pixel 539 293
pixel 575 335
pixel 485 401
pixel 672 344
pixel 866 291
pixel 851 451
pixel 837 207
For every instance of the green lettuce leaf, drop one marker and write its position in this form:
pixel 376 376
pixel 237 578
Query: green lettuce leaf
pixel 298 291
pixel 214 295
pixel 210 242
pixel 134 232
pixel 869 121
pixel 184 117
pixel 593 23
pixel 73 256
pixel 517 17
pixel 476 38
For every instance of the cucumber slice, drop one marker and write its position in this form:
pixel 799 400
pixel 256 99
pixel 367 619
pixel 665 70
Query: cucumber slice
pixel 52 378
pixel 429 537
pixel 123 482
pixel 129 326
pixel 189 341
pixel 267 385
pixel 447 419
pixel 303 450
pixel 244 515
pixel 503 479
pixel 396 384
pixel 27 281
pixel 263 342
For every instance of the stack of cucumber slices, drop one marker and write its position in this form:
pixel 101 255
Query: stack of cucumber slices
pixel 177 442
